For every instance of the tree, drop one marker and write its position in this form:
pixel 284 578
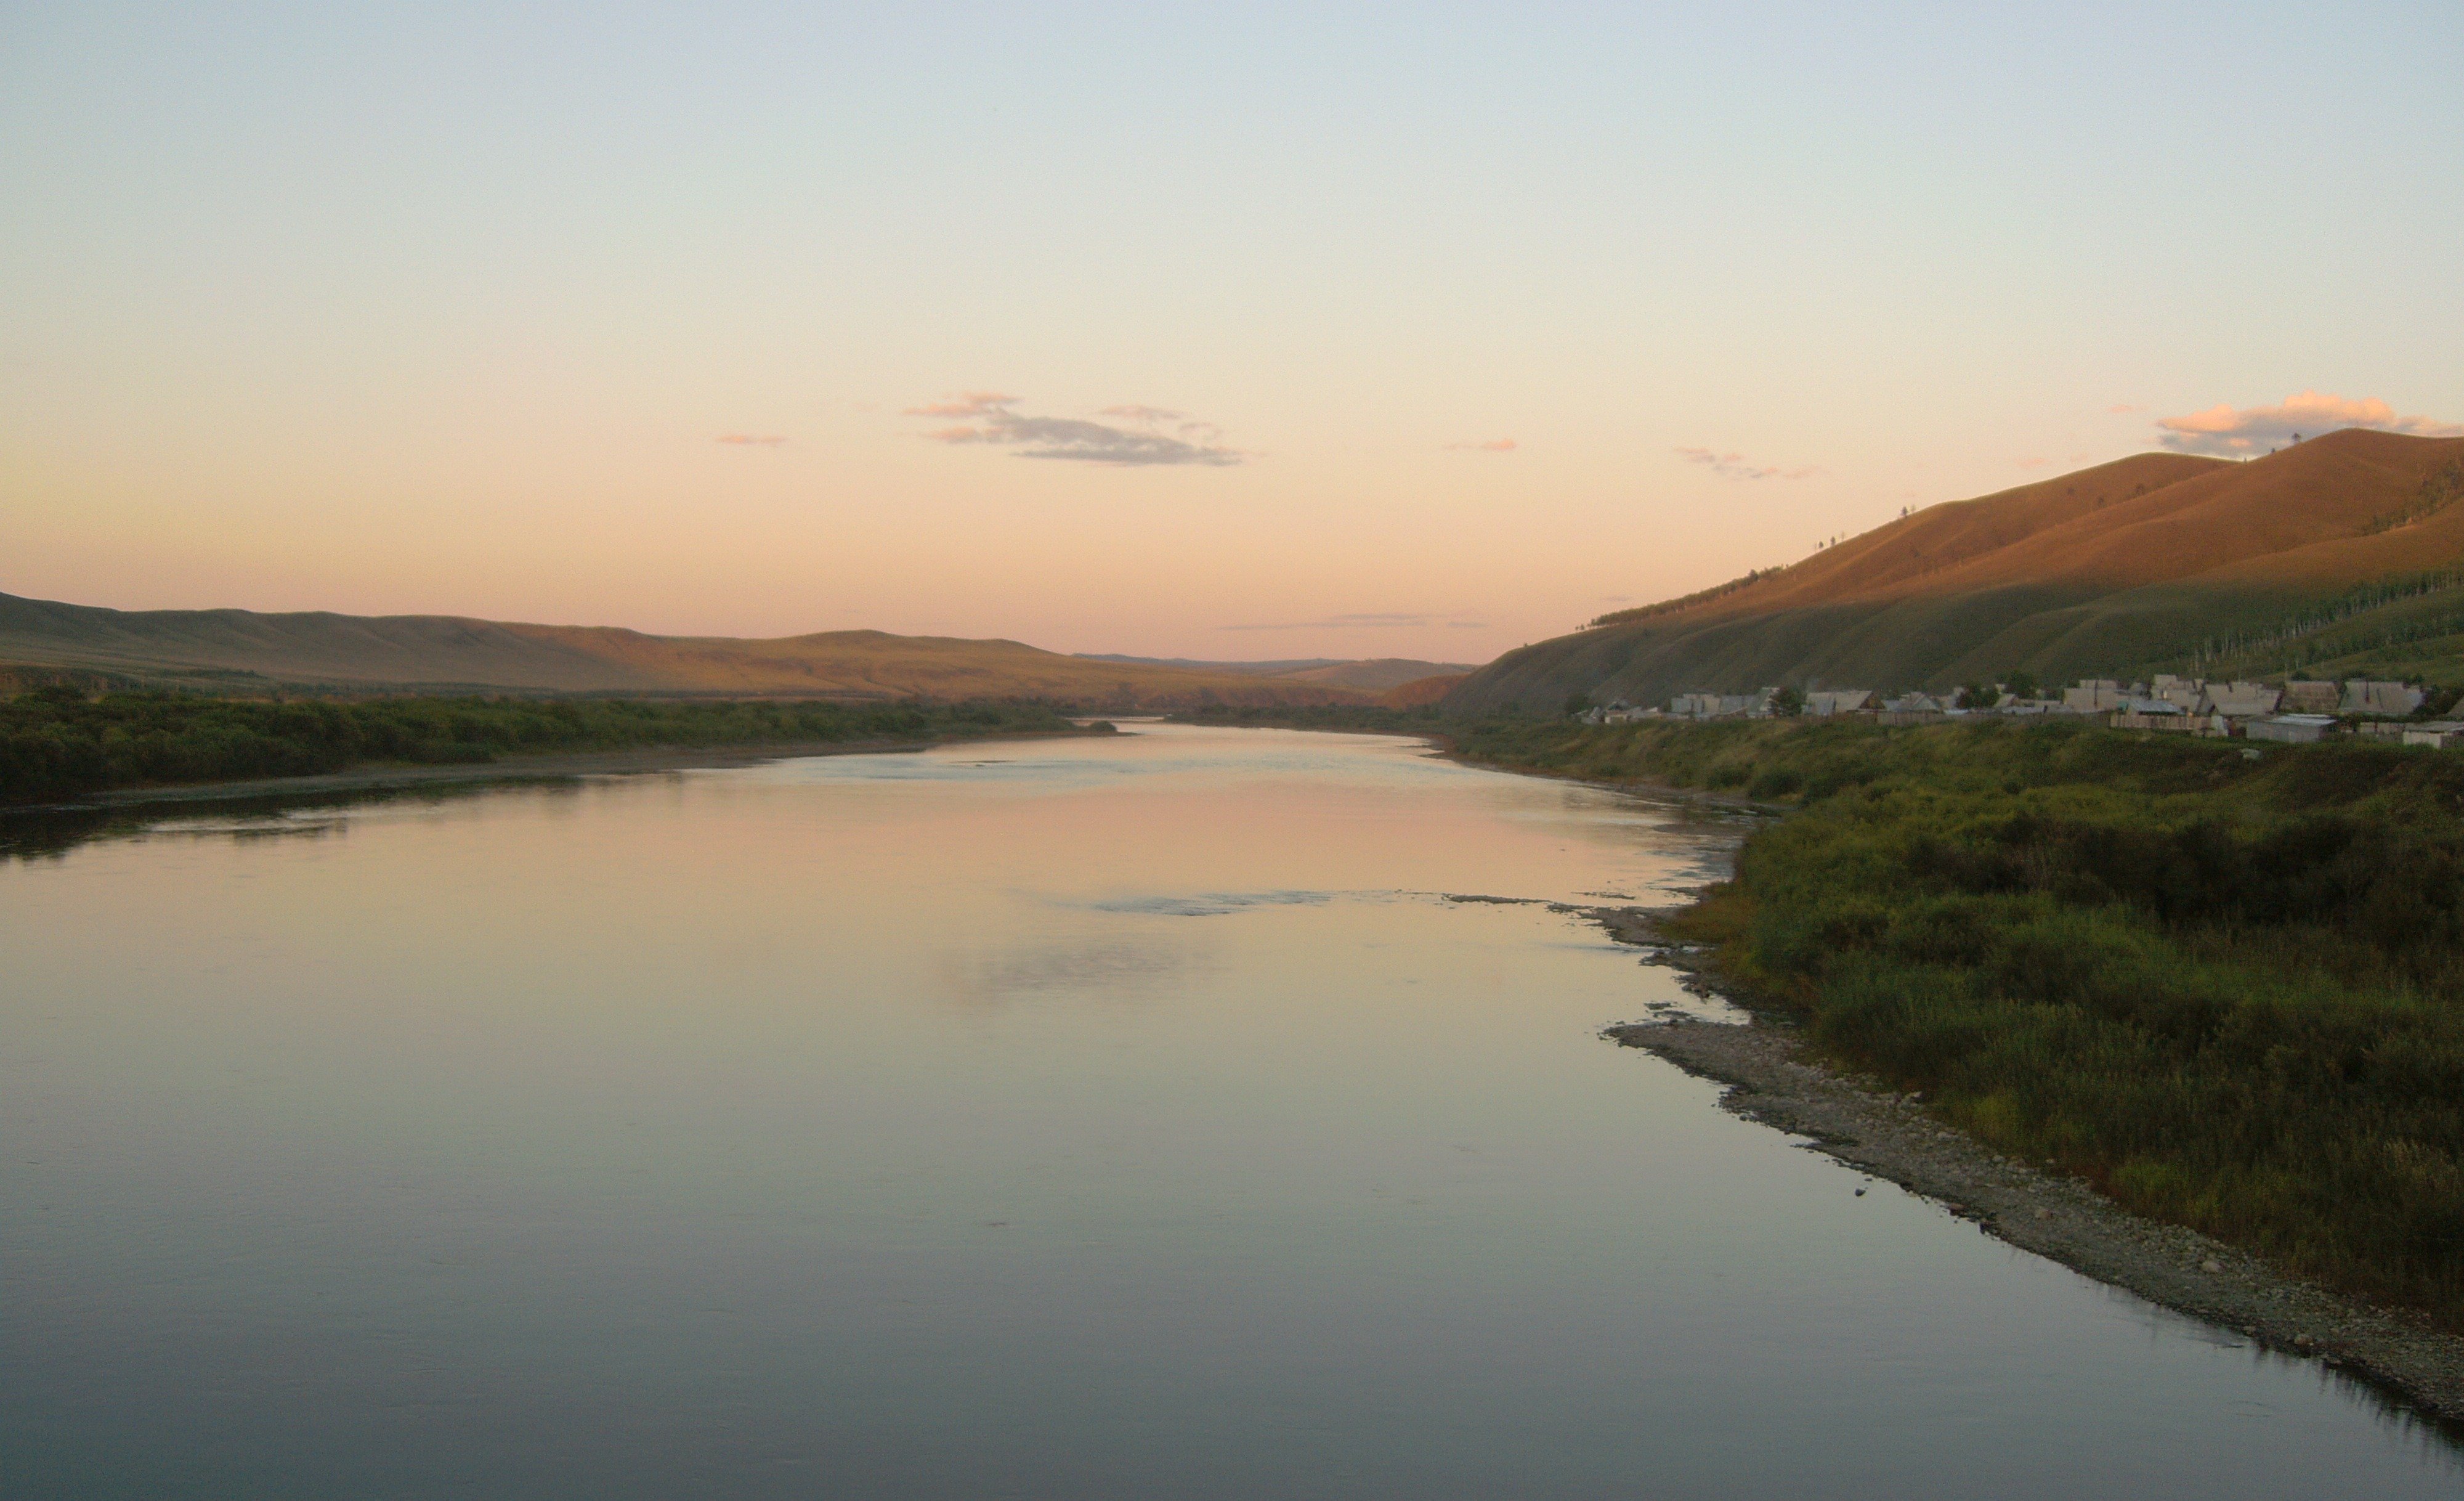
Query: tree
pixel 2021 684
pixel 1577 702
pixel 1978 696
pixel 1788 702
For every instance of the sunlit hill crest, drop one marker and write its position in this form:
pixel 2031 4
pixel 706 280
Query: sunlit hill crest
pixel 2344 547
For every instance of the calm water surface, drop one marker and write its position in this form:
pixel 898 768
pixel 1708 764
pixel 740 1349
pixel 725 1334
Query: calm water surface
pixel 1065 1118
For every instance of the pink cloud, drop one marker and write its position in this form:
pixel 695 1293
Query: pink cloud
pixel 767 440
pixel 2230 433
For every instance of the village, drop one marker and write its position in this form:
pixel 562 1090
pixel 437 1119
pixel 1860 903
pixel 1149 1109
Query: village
pixel 2296 712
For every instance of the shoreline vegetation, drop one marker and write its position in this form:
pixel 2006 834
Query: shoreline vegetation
pixel 58 744
pixel 2225 990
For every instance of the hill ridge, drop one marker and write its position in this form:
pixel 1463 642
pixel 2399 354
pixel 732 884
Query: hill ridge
pixel 328 650
pixel 2135 562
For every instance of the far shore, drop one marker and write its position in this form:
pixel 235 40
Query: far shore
pixel 546 766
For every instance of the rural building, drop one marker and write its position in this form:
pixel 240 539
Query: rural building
pixel 1722 706
pixel 1841 700
pixel 2438 734
pixel 2306 696
pixel 2292 729
pixel 2239 701
pixel 2093 696
pixel 2182 693
pixel 2393 700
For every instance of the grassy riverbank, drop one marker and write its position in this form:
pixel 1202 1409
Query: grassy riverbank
pixel 2228 992
pixel 57 742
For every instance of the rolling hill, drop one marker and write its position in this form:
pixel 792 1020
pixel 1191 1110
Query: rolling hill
pixel 242 651
pixel 2338 551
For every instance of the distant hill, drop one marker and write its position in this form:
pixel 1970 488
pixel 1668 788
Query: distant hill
pixel 1420 690
pixel 237 649
pixel 2344 550
pixel 1371 674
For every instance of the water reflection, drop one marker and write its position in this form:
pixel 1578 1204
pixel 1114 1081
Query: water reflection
pixel 1121 1118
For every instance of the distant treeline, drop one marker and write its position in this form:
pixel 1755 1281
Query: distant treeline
pixel 2228 990
pixel 1425 717
pixel 58 743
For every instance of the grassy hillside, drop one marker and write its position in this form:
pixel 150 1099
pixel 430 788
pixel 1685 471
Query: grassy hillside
pixel 2152 560
pixel 1420 690
pixel 57 744
pixel 212 647
pixel 2230 992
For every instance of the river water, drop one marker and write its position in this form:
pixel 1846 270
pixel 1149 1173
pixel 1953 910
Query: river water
pixel 1068 1118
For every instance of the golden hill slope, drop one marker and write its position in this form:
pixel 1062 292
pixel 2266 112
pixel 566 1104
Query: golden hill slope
pixel 397 652
pixel 2130 562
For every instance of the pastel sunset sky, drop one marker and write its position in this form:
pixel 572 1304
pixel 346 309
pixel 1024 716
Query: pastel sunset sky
pixel 1208 331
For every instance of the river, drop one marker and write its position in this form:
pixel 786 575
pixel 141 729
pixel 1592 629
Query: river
pixel 1134 1117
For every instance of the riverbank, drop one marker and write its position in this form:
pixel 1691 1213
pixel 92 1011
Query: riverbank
pixel 1774 1078
pixel 2182 1020
pixel 32 831
pixel 2228 991
pixel 543 766
pixel 60 746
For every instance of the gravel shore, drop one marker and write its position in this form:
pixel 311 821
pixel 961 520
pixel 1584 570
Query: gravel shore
pixel 1771 1080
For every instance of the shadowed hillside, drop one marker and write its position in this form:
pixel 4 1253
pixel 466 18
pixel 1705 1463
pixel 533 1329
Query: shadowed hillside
pixel 2161 558
pixel 239 649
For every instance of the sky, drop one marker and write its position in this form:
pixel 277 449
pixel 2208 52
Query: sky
pixel 1220 332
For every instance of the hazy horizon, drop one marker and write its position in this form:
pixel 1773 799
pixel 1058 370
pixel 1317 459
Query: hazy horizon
pixel 1178 335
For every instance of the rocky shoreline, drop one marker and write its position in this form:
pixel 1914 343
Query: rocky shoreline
pixel 1771 1079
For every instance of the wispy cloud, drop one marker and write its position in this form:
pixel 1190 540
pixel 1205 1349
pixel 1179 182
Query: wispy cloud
pixel 2227 434
pixel 1372 620
pixel 965 404
pixel 752 440
pixel 2120 407
pixel 1151 435
pixel 1492 446
pixel 1736 466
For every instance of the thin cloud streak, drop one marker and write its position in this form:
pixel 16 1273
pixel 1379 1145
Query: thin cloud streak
pixel 2223 432
pixel 765 440
pixel 1736 466
pixel 1157 436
